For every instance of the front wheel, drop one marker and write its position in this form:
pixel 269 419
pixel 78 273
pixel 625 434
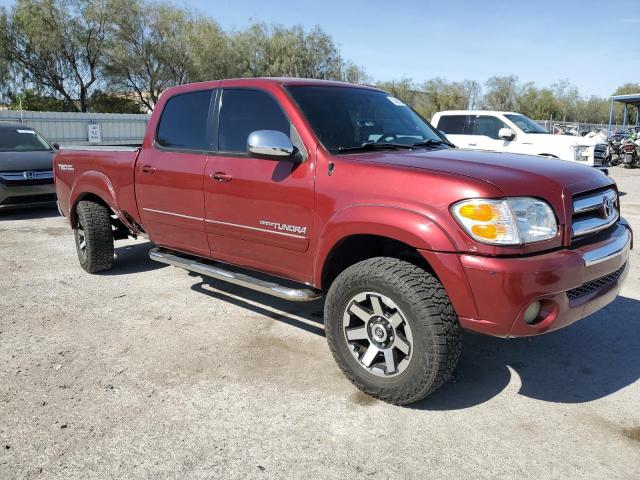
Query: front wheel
pixel 94 237
pixel 392 329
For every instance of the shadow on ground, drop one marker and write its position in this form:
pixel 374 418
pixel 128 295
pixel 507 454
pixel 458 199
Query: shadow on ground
pixel 304 315
pixel 133 259
pixel 586 361
pixel 591 359
pixel 29 213
pixel 583 362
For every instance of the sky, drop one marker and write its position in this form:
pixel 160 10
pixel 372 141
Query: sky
pixel 592 44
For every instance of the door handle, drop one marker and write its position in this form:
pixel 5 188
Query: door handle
pixel 147 169
pixel 473 144
pixel 221 177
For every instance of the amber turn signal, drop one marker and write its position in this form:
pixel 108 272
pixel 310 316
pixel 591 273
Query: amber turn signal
pixel 481 212
pixel 488 231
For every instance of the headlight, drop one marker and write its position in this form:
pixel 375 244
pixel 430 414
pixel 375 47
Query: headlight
pixel 509 221
pixel 580 152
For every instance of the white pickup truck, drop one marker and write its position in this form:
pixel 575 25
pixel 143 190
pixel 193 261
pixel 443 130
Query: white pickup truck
pixel 515 133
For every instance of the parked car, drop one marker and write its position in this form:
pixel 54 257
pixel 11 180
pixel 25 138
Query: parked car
pixel 514 133
pixel 26 167
pixel 317 187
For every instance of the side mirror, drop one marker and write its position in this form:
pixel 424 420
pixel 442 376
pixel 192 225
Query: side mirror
pixel 271 144
pixel 56 146
pixel 506 134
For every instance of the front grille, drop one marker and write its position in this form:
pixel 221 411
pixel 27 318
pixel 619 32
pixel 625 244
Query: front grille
pixel 29 199
pixel 36 177
pixel 594 211
pixel 599 154
pixel 596 285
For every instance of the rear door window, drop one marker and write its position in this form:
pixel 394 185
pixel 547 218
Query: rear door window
pixel 244 111
pixel 453 124
pixel 184 123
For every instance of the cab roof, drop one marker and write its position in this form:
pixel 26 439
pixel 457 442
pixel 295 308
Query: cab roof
pixel 264 81
pixel 477 112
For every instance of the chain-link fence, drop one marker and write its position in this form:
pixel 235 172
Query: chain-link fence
pixel 578 128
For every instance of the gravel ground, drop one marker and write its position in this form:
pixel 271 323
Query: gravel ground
pixel 148 371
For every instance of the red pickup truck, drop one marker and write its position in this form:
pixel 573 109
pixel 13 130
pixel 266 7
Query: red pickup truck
pixel 299 188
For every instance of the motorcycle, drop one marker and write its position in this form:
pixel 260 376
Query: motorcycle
pixel 630 152
pixel 615 158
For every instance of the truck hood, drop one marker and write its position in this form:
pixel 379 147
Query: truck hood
pixel 23 161
pixel 560 140
pixel 515 175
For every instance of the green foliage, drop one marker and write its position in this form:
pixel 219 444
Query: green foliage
pixel 102 102
pixel 57 45
pixel 33 101
pixel 120 55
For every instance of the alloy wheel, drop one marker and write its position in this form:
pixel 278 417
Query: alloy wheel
pixel 377 334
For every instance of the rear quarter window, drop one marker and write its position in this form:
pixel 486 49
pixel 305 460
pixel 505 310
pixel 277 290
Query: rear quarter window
pixel 183 124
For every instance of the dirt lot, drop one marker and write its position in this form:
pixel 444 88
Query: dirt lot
pixel 150 372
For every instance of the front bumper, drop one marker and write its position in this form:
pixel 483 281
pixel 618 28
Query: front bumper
pixel 570 284
pixel 14 196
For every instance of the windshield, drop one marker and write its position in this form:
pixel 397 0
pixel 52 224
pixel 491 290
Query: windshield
pixel 346 118
pixel 21 140
pixel 525 124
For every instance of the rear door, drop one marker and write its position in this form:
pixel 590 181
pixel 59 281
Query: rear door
pixel 169 176
pixel 456 128
pixel 259 212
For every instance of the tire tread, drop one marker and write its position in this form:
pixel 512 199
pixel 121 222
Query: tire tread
pixel 435 313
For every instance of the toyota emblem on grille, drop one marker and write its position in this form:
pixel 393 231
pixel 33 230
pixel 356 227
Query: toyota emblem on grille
pixel 607 207
pixel 29 175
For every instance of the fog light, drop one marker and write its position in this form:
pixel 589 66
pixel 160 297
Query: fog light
pixel 532 312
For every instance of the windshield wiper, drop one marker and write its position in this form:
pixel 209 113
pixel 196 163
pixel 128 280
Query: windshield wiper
pixel 374 145
pixel 431 141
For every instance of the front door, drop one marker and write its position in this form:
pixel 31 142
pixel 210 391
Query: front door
pixel 169 176
pixel 485 129
pixel 259 212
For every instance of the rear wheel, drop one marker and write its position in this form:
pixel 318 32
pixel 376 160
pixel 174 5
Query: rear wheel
pixel 392 329
pixel 94 237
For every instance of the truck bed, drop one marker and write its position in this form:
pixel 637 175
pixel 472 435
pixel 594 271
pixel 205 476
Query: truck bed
pixel 105 171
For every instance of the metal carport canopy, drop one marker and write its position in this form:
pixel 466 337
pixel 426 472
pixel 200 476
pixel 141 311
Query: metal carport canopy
pixel 629 99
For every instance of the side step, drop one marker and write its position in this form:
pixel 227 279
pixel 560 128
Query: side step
pixel 189 263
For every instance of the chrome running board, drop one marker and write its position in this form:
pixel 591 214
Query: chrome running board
pixel 189 263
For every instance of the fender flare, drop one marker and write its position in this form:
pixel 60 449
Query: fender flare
pixel 406 226
pixel 96 183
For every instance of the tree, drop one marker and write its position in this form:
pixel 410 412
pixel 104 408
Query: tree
pixel 31 100
pixel 440 94
pixel 4 60
pixel 103 102
pixel 208 50
pixel 501 93
pixel 275 50
pixel 403 89
pixel 57 45
pixel 146 49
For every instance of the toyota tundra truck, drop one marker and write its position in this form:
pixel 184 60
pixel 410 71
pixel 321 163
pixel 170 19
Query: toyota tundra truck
pixel 305 188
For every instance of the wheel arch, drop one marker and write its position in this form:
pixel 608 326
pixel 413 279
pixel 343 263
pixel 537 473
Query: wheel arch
pixel 95 185
pixel 367 231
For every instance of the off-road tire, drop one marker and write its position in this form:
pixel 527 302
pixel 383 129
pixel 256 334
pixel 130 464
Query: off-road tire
pixel 94 220
pixel 428 311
